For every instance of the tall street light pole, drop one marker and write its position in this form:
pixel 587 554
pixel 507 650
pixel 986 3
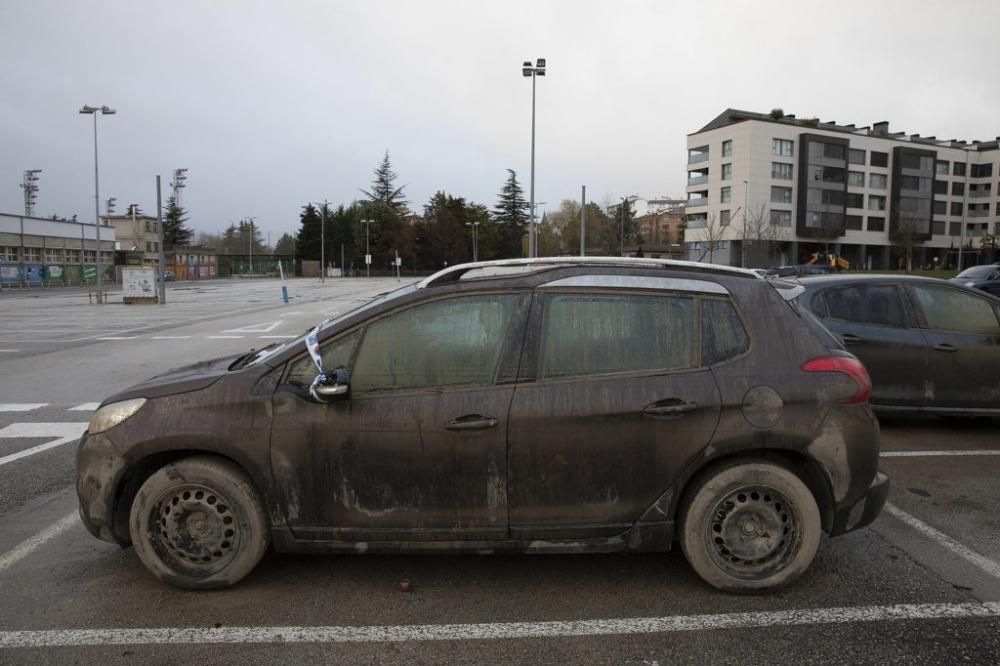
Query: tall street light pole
pixel 322 240
pixel 368 256
pixel 743 244
pixel 475 239
pixel 104 111
pixel 533 72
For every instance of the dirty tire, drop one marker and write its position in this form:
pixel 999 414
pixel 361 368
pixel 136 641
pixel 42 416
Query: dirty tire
pixel 749 526
pixel 198 523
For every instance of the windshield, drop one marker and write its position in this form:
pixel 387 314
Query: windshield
pixel 268 352
pixel 978 272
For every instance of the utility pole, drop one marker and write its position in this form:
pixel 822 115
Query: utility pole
pixel 105 111
pixel 368 256
pixel 534 73
pixel 743 243
pixel 583 220
pixel 159 235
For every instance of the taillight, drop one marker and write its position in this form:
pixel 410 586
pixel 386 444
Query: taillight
pixel 846 365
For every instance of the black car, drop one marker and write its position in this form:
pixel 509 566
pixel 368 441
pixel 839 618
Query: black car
pixel 798 270
pixel 548 406
pixel 930 345
pixel 985 278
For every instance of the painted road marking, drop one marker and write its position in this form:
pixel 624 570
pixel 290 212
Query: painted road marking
pixel 984 563
pixel 290 314
pixel 171 337
pixel 256 328
pixel 86 407
pixel 499 630
pixel 917 454
pixel 63 432
pixel 277 337
pixel 21 406
pixel 28 546
pixel 223 337
pixel 9 351
pixel 119 337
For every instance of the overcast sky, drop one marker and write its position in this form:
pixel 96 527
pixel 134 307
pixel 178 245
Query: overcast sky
pixel 270 105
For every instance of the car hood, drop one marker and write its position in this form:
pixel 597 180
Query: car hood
pixel 179 380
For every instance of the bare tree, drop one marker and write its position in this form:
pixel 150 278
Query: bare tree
pixel 762 238
pixel 712 233
pixel 905 237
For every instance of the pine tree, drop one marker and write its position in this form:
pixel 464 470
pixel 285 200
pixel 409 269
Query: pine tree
pixel 308 239
pixel 511 213
pixel 175 232
pixel 285 246
pixel 383 188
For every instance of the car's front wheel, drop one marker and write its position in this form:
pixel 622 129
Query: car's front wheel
pixel 198 523
pixel 750 526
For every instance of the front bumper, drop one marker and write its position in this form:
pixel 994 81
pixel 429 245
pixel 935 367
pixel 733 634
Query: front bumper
pixel 863 511
pixel 98 469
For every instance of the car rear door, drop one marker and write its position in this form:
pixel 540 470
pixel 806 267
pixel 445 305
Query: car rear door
pixel 877 325
pixel 962 330
pixel 612 401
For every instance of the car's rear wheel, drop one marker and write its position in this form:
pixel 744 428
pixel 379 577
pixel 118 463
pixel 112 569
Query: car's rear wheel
pixel 198 523
pixel 750 526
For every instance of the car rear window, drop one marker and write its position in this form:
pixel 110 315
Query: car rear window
pixel 722 333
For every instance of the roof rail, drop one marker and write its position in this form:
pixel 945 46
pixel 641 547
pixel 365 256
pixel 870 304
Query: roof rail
pixel 454 273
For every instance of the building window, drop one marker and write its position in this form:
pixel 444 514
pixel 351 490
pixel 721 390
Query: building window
pixel 781 171
pixel 727 171
pixel 877 181
pixel 958 168
pixel 827 174
pixel 149 246
pixel 724 218
pixel 781 147
pixel 956 208
pixel 855 200
pixel 8 254
pixel 32 255
pixel 726 195
pixel 876 224
pixel 53 256
pixel 937 228
pixel 697 221
pixel 156 246
pixel 982 170
pixel 107 257
pixel 940 186
pixel 854 222
pixel 781 194
pixel 955 229
pixel 942 167
pixel 89 257
pixel 856 179
pixel 72 256
pixel 940 208
pixel 876 202
pixel 147 226
pixel 958 189
pixel 855 156
pixel 880 159
pixel 781 218
pixel 727 148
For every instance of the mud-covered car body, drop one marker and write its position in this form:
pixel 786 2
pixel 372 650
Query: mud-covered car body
pixel 548 454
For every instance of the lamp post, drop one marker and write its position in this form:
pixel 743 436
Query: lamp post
pixel 533 72
pixel 368 256
pixel 475 239
pixel 743 243
pixel 104 111
pixel 323 208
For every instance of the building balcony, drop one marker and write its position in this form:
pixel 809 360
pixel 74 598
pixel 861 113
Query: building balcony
pixel 980 194
pixel 979 212
pixel 697 180
pixel 694 158
pixel 694 203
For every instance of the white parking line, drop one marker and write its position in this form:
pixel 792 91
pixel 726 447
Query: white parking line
pixel 223 337
pixel 499 630
pixel 86 407
pixel 918 454
pixel 28 546
pixel 9 351
pixel 64 432
pixel 276 337
pixel 171 337
pixel 119 337
pixel 21 406
pixel 984 563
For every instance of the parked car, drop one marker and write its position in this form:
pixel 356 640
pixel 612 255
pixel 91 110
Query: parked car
pixel 799 270
pixel 985 278
pixel 549 405
pixel 169 276
pixel 930 345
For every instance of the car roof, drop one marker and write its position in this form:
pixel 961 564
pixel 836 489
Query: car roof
pixel 817 280
pixel 515 267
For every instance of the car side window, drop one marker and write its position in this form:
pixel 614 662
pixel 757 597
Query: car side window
pixel 879 304
pixel 722 332
pixel 953 310
pixel 450 342
pixel 584 335
pixel 334 354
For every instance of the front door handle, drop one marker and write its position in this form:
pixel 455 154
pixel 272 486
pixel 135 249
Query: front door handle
pixel 850 338
pixel 670 408
pixel 945 347
pixel 471 422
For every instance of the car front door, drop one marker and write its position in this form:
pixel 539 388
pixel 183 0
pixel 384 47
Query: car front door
pixel 876 325
pixel 610 405
pixel 418 449
pixel 963 337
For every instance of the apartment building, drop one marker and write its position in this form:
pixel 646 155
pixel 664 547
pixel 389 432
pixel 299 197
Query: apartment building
pixel 768 189
pixel 137 234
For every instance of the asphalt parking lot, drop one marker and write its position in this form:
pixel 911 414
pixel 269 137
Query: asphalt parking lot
pixel 921 585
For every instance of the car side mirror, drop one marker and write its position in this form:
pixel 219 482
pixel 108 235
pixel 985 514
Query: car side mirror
pixel 334 384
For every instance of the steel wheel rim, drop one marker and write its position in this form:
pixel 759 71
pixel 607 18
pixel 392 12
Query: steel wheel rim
pixel 195 529
pixel 754 532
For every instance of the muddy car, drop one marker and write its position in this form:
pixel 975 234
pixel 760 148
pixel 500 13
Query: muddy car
pixel 536 406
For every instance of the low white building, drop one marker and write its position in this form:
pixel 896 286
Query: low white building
pixel 766 189
pixel 35 250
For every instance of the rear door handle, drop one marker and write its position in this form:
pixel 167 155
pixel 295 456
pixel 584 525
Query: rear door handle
pixel 945 347
pixel 672 407
pixel 471 422
pixel 850 338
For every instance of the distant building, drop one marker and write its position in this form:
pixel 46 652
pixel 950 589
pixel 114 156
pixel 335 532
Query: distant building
pixel 194 262
pixel 138 235
pixel 767 190
pixel 35 250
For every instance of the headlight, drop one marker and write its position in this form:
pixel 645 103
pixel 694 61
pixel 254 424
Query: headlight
pixel 109 416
